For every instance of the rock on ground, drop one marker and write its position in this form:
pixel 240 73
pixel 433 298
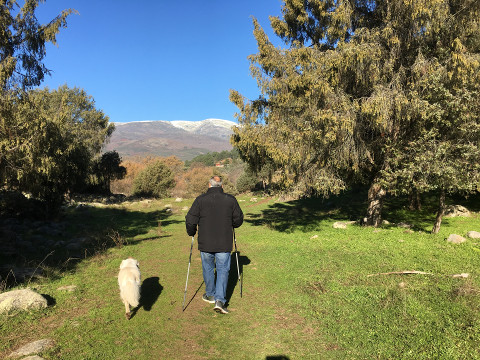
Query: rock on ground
pixel 342 224
pixel 33 348
pixel 456 210
pixel 25 299
pixel 339 225
pixel 473 235
pixel 456 239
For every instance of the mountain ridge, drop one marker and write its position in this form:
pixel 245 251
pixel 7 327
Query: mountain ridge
pixel 183 139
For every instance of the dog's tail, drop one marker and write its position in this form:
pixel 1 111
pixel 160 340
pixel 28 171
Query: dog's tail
pixel 130 292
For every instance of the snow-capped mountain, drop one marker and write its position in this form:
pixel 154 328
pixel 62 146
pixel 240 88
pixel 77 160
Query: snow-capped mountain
pixel 184 139
pixel 194 126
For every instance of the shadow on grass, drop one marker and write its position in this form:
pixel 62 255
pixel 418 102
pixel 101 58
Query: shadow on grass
pixel 233 280
pixel 193 297
pixel 46 248
pixel 396 209
pixel 307 214
pixel 50 300
pixel 471 202
pixel 150 291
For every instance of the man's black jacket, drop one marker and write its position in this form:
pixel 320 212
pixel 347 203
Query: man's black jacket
pixel 216 214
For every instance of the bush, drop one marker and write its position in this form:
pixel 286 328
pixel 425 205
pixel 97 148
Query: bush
pixel 246 182
pixel 154 181
pixel 135 165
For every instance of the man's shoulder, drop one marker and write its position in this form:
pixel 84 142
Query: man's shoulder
pixel 201 196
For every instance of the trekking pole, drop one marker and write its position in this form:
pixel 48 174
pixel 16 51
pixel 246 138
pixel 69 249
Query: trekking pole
pixel 188 272
pixel 238 267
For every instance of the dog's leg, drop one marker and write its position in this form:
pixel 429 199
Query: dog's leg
pixel 127 310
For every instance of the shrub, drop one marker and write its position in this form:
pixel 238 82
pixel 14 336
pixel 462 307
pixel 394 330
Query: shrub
pixel 155 181
pixel 246 182
pixel 135 165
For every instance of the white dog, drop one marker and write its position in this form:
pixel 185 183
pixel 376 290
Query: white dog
pixel 129 283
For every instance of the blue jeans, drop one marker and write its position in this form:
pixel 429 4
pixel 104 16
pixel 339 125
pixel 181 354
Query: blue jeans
pixel 221 261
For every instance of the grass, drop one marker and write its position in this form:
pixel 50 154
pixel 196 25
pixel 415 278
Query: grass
pixel 309 291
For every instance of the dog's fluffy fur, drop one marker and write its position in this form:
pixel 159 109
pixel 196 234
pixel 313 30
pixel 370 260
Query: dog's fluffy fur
pixel 129 283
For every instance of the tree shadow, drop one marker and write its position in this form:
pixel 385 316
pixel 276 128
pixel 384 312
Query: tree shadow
pixel 233 279
pixel 277 357
pixel 471 202
pixel 396 210
pixel 306 214
pixel 47 247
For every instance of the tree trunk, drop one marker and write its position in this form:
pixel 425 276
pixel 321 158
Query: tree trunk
pixel 441 211
pixel 376 194
pixel 414 200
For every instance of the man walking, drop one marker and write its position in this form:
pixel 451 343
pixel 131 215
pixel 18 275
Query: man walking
pixel 216 214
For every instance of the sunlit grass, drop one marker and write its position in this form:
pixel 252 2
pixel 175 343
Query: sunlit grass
pixel 309 291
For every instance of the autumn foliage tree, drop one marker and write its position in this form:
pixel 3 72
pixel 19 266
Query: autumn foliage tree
pixel 360 90
pixel 195 180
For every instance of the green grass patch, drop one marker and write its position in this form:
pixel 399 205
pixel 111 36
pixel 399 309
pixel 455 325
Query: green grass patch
pixel 309 291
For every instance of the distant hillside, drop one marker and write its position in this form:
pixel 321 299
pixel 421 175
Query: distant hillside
pixel 184 139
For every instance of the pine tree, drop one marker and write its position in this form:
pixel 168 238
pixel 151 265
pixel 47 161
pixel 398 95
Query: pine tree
pixel 358 86
pixel 22 43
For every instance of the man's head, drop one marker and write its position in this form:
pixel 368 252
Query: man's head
pixel 215 181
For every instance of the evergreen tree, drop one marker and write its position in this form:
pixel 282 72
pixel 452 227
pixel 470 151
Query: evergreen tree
pixel 57 136
pixel 23 129
pixel 22 43
pixel 107 168
pixel 357 87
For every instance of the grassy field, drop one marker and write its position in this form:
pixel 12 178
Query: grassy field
pixel 310 291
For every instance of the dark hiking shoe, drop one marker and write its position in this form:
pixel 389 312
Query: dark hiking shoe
pixel 208 299
pixel 220 308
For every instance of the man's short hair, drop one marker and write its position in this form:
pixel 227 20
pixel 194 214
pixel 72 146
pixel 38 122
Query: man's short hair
pixel 215 181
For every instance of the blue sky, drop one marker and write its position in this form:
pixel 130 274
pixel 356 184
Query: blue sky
pixel 158 59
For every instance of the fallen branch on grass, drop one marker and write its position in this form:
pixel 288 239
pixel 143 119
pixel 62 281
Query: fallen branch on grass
pixel 462 275
pixel 402 273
